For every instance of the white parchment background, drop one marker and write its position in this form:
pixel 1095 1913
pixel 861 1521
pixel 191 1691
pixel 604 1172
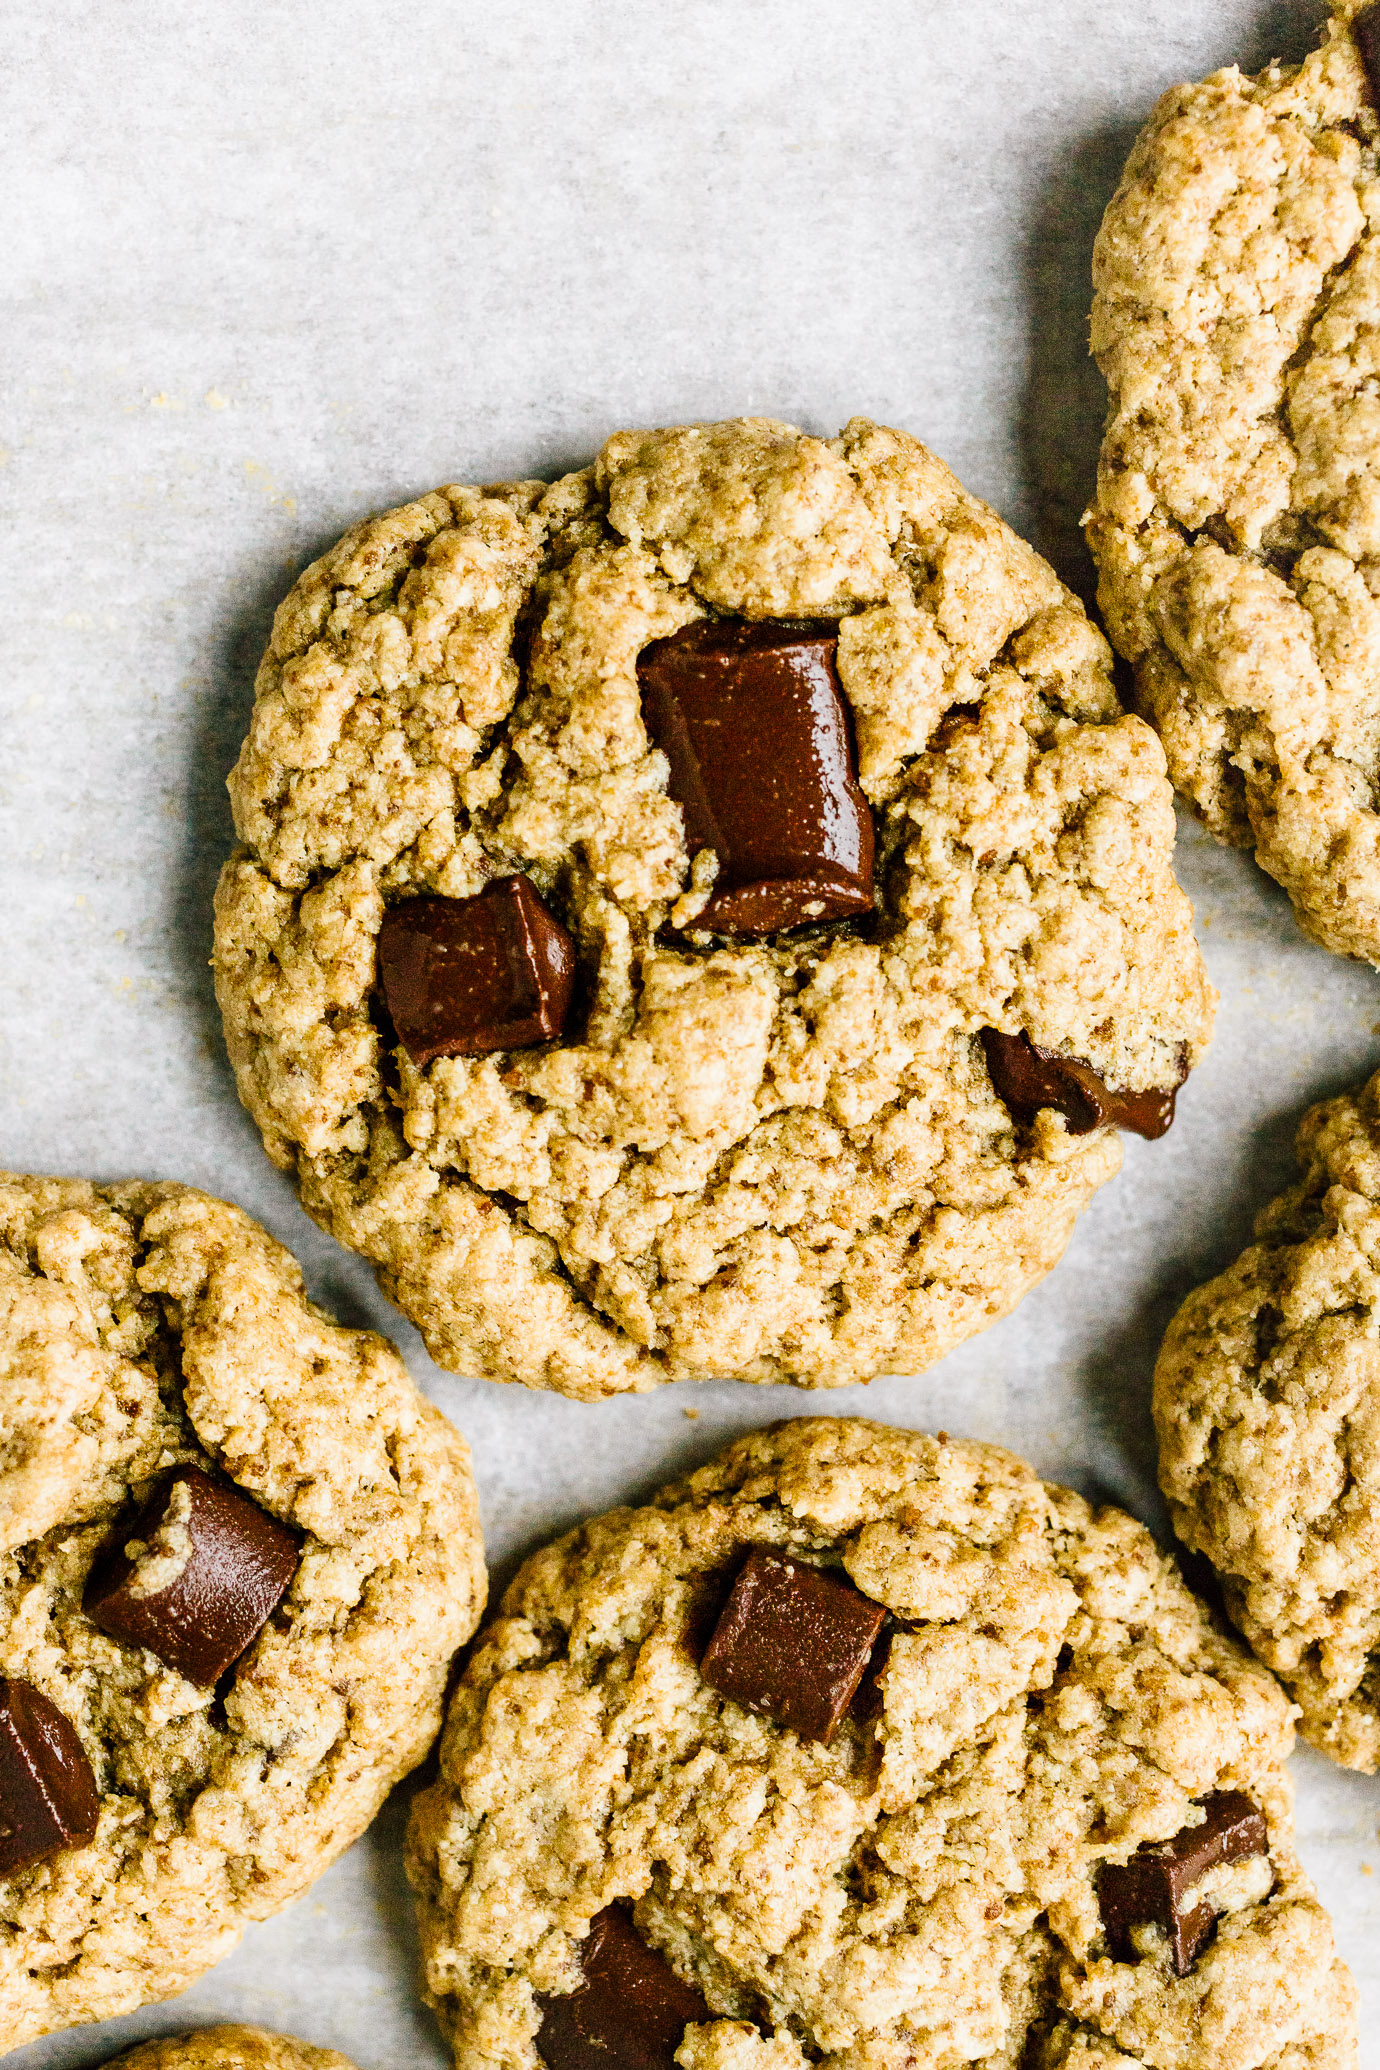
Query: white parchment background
pixel 271 267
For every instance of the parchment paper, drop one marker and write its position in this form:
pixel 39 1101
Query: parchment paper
pixel 272 267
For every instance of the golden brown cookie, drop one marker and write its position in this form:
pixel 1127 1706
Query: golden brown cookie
pixel 973 1866
pixel 818 1150
pixel 229 2048
pixel 192 1456
pixel 1237 519
pixel 1267 1404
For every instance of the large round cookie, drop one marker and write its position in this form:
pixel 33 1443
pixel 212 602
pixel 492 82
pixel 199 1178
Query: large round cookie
pixel 1237 519
pixel 954 1877
pixel 229 2048
pixel 1267 1403
pixel 163 1375
pixel 771 1155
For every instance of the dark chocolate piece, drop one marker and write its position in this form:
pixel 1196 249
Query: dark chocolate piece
pixel 1027 1078
pixel 464 976
pixel 631 2011
pixel 48 1798
pixel 213 1569
pixel 755 728
pixel 1150 1889
pixel 792 1641
pixel 1365 31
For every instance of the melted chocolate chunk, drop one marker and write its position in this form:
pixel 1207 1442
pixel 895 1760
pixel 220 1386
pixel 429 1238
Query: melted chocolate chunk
pixel 631 2011
pixel 1151 1888
pixel 211 1570
pixel 48 1798
pixel 1365 31
pixel 754 726
pixel 792 1641
pixel 1028 1078
pixel 464 976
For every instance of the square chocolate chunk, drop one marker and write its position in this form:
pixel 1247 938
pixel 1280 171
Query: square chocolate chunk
pixel 196 1577
pixel 631 2011
pixel 754 725
pixel 464 976
pixel 48 1797
pixel 792 1641
pixel 1152 1888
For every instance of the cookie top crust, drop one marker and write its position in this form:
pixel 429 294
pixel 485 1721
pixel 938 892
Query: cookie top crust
pixel 1267 1404
pixel 149 1331
pixel 1237 519
pixel 229 2048
pixel 925 1885
pixel 772 1155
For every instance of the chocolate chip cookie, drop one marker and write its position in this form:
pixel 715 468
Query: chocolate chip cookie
pixel 1237 519
pixel 706 916
pixel 867 1748
pixel 1267 1404
pixel 239 1552
pixel 229 2048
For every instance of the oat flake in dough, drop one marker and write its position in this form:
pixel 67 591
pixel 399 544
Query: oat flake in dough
pixel 921 1893
pixel 1237 519
pixel 776 1159
pixel 143 1326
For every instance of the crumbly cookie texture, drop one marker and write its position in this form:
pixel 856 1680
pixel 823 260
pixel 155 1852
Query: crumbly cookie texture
pixel 1267 1404
pixel 920 1892
pixel 1237 519
pixel 229 2048
pixel 144 1326
pixel 778 1159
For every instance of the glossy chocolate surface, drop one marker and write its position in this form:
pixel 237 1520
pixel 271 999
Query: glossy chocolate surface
pixel 630 2013
pixel 1028 1078
pixel 793 1641
pixel 48 1797
pixel 228 1566
pixel 466 976
pixel 758 736
pixel 1152 1888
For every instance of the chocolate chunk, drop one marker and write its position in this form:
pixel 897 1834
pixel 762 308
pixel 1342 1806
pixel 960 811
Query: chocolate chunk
pixel 755 728
pixel 1365 31
pixel 1151 1888
pixel 1027 1078
pixel 463 976
pixel 631 2011
pixel 196 1577
pixel 48 1797
pixel 792 1641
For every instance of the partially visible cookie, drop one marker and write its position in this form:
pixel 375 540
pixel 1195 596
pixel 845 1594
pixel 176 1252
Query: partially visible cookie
pixel 1267 1404
pixel 864 1748
pixel 1237 518
pixel 706 916
pixel 229 2048
pixel 238 1551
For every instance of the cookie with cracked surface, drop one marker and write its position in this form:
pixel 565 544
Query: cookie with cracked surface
pixel 1046 1707
pixel 229 2048
pixel 1237 519
pixel 1267 1405
pixel 282 1512
pixel 631 868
